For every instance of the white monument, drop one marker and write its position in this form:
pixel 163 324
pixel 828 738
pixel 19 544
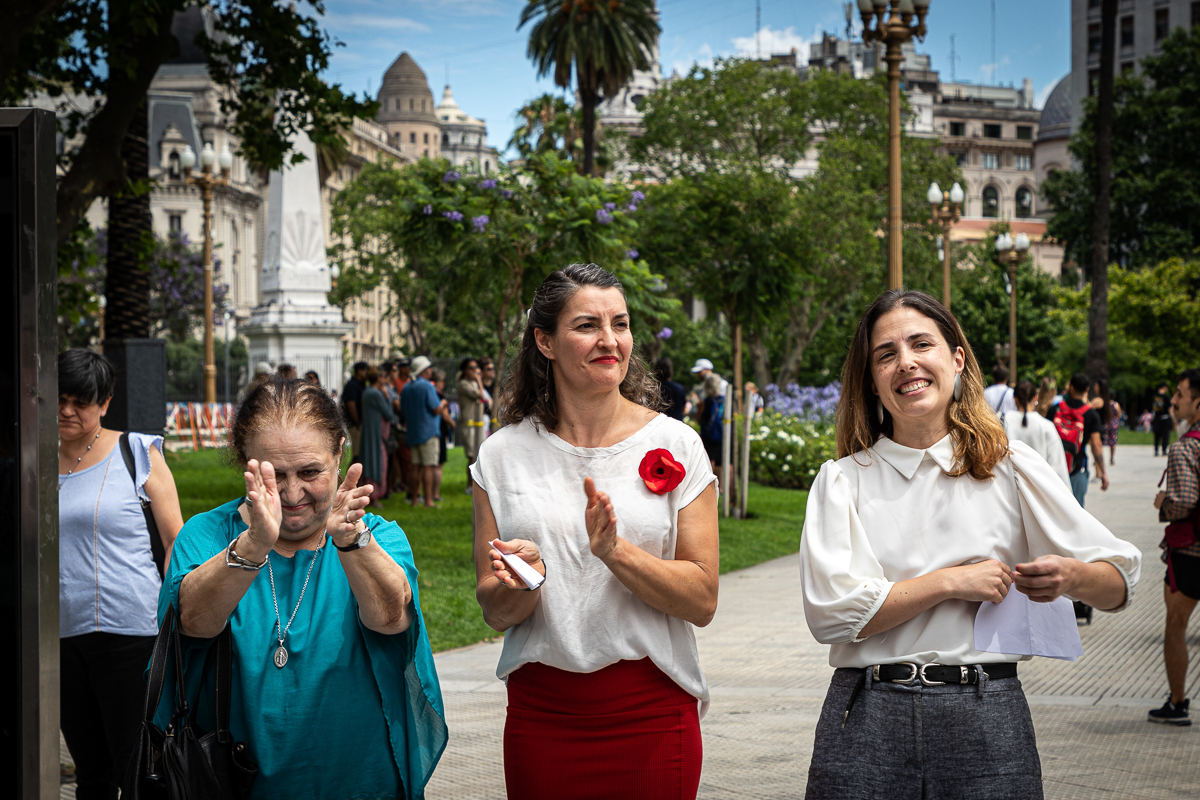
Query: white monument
pixel 295 322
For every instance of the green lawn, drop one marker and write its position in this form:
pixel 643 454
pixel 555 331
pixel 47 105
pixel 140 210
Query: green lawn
pixel 1126 436
pixel 441 538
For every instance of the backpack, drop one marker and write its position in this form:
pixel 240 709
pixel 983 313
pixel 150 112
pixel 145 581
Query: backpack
pixel 1069 423
pixel 710 425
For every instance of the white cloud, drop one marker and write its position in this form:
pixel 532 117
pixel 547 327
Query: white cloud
pixel 361 22
pixel 1043 94
pixel 989 70
pixel 703 56
pixel 773 43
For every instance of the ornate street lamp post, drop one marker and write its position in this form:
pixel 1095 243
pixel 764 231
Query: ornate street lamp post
pixel 207 181
pixel 946 207
pixel 893 32
pixel 1010 251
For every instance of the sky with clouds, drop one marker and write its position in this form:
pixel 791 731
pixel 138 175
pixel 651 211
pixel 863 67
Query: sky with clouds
pixel 476 47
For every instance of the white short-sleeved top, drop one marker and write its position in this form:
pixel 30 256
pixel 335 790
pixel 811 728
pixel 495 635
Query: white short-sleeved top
pixel 892 514
pixel 1041 435
pixel 586 619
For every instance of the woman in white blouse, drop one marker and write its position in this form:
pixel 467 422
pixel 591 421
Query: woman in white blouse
pixel 615 505
pixel 929 512
pixel 1028 426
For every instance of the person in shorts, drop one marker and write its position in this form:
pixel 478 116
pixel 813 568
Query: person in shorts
pixel 422 416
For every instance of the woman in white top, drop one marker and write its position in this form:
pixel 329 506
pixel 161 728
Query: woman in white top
pixel 1028 426
pixel 615 505
pixel 929 512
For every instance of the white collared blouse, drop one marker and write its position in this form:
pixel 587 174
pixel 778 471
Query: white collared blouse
pixel 892 514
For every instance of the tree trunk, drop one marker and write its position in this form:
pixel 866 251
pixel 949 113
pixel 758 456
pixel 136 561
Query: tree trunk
pixel 761 360
pixel 589 98
pixel 1097 352
pixel 96 169
pixel 130 235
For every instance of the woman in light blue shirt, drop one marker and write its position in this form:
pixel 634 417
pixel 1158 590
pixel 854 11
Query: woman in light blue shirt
pixel 108 575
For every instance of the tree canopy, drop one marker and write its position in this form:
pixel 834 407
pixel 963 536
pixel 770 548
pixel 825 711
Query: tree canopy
pixel 464 254
pixel 733 225
pixel 1155 171
pixel 99 57
pixel 602 42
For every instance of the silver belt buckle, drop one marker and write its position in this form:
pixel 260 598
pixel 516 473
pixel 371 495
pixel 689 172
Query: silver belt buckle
pixel 916 671
pixel 925 681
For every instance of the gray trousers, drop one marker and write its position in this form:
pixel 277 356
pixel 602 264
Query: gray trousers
pixel 915 742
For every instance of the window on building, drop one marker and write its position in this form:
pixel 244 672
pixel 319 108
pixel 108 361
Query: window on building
pixel 412 138
pixel 958 129
pixel 422 105
pixel 487 167
pixel 1162 24
pixel 1025 133
pixel 175 223
pixel 991 202
pixel 1127 31
pixel 173 165
pixel 1094 37
pixel 445 139
pixel 1022 162
pixel 991 161
pixel 960 159
pixel 1127 67
pixel 464 139
pixel 1024 199
pixel 427 153
pixel 991 131
pixel 412 104
pixel 426 139
pixel 1093 82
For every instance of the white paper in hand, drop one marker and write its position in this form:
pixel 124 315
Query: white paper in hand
pixel 533 579
pixel 1019 625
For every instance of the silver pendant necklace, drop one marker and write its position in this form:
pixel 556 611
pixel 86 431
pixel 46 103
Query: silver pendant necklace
pixel 281 653
pixel 79 460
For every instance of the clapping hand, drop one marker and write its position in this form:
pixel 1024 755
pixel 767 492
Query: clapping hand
pixel 266 512
pixel 348 506
pixel 601 521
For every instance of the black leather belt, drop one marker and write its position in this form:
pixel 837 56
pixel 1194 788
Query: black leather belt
pixel 940 674
pixel 908 672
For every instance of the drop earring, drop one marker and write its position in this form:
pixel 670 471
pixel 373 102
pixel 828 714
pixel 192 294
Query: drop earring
pixel 879 408
pixel 957 386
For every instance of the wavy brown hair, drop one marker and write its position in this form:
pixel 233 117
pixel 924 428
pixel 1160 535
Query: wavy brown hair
pixel 529 391
pixel 979 438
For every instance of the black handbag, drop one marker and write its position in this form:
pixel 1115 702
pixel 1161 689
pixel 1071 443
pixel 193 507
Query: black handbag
pixel 183 762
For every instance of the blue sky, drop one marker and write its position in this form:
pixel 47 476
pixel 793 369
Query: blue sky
pixel 476 44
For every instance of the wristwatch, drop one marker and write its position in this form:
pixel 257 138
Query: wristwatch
pixel 363 539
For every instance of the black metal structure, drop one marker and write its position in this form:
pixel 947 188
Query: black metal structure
pixel 29 690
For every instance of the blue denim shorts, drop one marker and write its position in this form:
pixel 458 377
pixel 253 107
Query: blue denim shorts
pixel 916 742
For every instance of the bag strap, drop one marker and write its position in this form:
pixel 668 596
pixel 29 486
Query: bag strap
pixel 156 545
pixel 158 667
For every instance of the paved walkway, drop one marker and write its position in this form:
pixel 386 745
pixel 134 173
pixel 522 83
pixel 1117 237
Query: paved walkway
pixel 768 678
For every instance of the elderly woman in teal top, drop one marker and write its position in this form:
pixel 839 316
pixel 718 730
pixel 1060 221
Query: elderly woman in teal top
pixel 334 687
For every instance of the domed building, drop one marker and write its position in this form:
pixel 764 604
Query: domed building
pixel 1054 132
pixel 464 138
pixel 406 110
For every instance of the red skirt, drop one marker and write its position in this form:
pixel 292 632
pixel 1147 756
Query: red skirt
pixel 624 731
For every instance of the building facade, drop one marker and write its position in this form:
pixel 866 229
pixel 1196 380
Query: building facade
pixel 407 111
pixel 464 138
pixel 1142 25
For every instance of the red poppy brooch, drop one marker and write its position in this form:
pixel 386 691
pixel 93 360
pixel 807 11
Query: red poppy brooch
pixel 660 471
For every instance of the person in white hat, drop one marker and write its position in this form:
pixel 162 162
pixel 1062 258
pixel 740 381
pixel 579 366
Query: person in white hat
pixel 421 407
pixel 702 369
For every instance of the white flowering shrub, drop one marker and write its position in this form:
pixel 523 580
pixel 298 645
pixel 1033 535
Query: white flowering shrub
pixel 788 452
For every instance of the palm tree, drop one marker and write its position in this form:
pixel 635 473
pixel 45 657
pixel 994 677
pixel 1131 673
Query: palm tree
pixel 603 40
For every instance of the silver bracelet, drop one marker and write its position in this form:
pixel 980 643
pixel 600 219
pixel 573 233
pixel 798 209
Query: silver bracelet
pixel 234 561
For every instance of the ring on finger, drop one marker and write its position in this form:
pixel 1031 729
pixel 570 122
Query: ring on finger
pixel 347 516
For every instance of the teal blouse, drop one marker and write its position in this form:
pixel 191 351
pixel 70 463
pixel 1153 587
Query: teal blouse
pixel 353 713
